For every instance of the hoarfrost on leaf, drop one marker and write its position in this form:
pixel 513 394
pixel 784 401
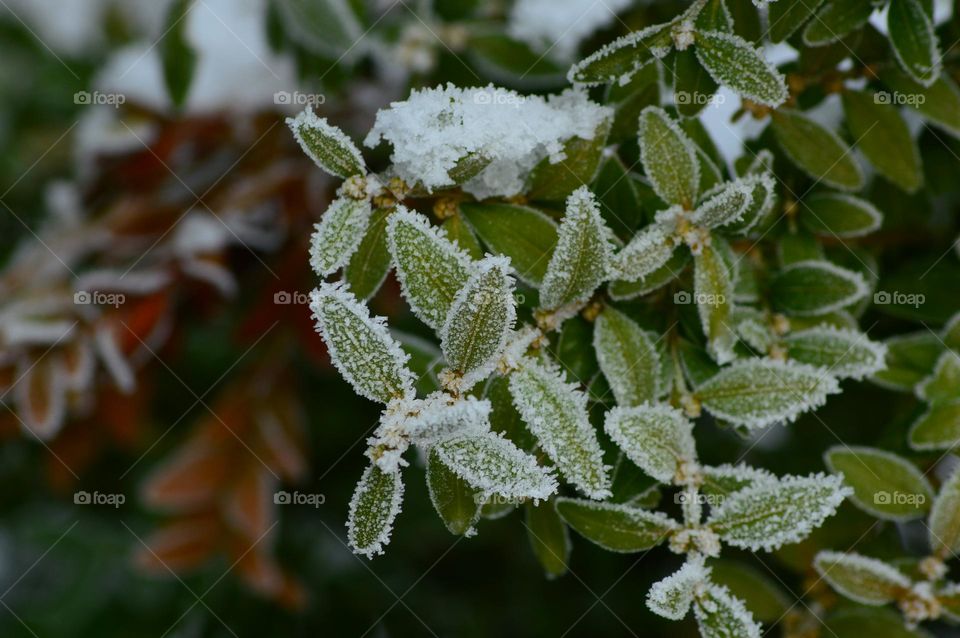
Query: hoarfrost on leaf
pixel 360 346
pixel 556 413
pixel 619 60
pixel 373 508
pixel 338 234
pixel 327 145
pixel 672 596
pixel 657 438
pixel 440 416
pixel 669 157
pixel 628 358
pixel 737 64
pixel 840 351
pixel 866 580
pixel 726 479
pixel 646 252
pixel 720 614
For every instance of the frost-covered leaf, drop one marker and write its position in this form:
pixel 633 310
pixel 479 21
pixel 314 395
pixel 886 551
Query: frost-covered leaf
pixel 713 294
pixel 786 16
pixel 771 514
pixel 430 267
pixel 623 290
pixel 457 503
pixel 840 351
pixel 693 86
pixel 914 40
pixel 493 465
pixel 373 508
pixel 729 202
pixel 910 358
pixel 479 322
pixel 556 413
pixel 839 215
pixel 441 416
pixel 360 346
pixel 944 528
pixel 866 580
pixel 738 65
pixel 882 136
pixel 619 60
pixel 759 392
pixel 757 212
pixel 338 234
pixel 669 158
pixel 726 479
pixel 937 429
pixel 951 333
pixel 627 357
pixel 327 145
pixel 719 614
pixel 836 19
pixel 939 103
pixel 671 597
pixel 370 262
pixel 645 254
pixel 758 588
pixel 460 233
pixel 525 235
pixel 549 538
pixel 615 527
pixel 884 484
pixel 816 150
pixel 816 287
pixel 943 385
pixel 554 181
pixel 579 263
pixel 657 438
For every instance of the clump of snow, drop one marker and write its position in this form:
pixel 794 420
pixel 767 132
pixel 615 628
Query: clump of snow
pixel 558 28
pixel 435 128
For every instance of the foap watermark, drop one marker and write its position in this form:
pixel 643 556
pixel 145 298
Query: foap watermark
pixel 291 298
pixel 497 499
pixel 296 98
pixel 897 298
pixel 685 498
pixel 696 98
pixel 899 99
pixel 899 498
pixel 498 97
pixel 95 98
pixel 97 298
pixel 685 298
pixel 98 498
pixel 299 498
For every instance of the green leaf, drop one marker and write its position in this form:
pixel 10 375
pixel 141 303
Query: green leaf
pixel 325 27
pixel 910 358
pixel 841 352
pixel 628 101
pixel 549 538
pixel 579 263
pixel 456 502
pixel 669 158
pixel 723 480
pixel 806 288
pixel 836 19
pixel 693 86
pixel 555 181
pixel 839 215
pixel 370 262
pixel 786 16
pixel 657 438
pixel 883 137
pixel 622 58
pixel 797 247
pixel 525 235
pixel 884 485
pixel 479 322
pixel 762 595
pixel 945 518
pixel 764 196
pixel 866 580
pixel 943 386
pixel 492 464
pixel 939 103
pixel 627 357
pixel 556 413
pixel 360 347
pixel 373 508
pixel 816 150
pixel 937 429
pixel 914 40
pixel 504 417
pixel 617 194
pixel 774 513
pixel 671 597
pixel 622 290
pixel 730 201
pixel 430 267
pixel 713 294
pixel 616 528
pixel 719 614
pixel 951 333
pixel 338 235
pixel 736 64
pixel 759 392
pixel 327 145
pixel 178 58
pixel 649 252
pixel 457 231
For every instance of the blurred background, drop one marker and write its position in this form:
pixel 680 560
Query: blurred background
pixel 176 452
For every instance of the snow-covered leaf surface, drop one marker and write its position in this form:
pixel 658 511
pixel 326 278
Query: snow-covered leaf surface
pixel 671 597
pixel 669 158
pixel 627 357
pixel 373 508
pixel 720 614
pixel 657 438
pixel 338 234
pixel 327 145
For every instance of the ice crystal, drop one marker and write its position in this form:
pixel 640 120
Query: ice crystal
pixel 440 416
pixel 373 508
pixel 338 234
pixel 360 346
pixel 492 464
pixel 658 438
pixel 770 514
pixel 865 580
pixel 556 413
pixel 326 145
pixel 672 596
pixel 435 128
pixel 432 269
pixel 581 257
